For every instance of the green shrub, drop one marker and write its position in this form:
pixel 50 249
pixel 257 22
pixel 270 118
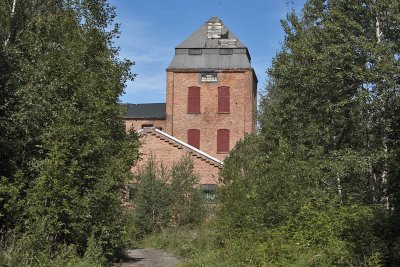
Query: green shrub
pixel 167 198
pixel 18 252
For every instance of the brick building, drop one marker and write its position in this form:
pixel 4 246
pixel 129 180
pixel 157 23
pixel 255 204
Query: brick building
pixel 211 103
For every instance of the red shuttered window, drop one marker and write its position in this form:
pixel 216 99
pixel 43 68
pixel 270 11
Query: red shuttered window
pixel 223 99
pixel 193 137
pixel 194 99
pixel 223 141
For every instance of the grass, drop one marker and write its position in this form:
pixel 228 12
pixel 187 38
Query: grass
pixel 18 252
pixel 198 246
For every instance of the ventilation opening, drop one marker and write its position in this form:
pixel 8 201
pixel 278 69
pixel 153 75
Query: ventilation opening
pixel 147 126
pixel 194 51
pixel 226 51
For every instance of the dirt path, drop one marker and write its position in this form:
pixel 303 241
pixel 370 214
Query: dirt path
pixel 149 257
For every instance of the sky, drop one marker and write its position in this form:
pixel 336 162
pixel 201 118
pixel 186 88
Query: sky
pixel 151 29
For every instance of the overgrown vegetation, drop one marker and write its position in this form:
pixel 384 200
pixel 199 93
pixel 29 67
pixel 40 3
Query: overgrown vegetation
pixel 166 199
pixel 319 184
pixel 64 154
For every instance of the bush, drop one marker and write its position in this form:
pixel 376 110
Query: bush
pixel 188 206
pixel 152 200
pixel 167 198
pixel 18 252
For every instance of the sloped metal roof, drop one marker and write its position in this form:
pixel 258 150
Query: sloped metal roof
pixel 145 111
pixel 211 37
pixel 210 59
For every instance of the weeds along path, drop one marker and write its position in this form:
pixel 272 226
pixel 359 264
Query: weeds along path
pixel 148 257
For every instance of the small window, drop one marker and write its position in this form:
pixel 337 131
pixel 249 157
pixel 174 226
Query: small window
pixel 223 99
pixel 195 51
pixel 193 137
pixel 209 192
pixel 194 99
pixel 223 141
pixel 226 51
pixel 147 125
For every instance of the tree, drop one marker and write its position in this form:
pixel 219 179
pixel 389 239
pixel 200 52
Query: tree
pixel 327 135
pixel 67 152
pixel 188 205
pixel 152 199
pixel 167 198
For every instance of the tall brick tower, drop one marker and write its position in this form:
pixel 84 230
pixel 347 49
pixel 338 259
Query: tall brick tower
pixel 211 90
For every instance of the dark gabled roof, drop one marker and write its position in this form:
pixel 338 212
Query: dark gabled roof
pixel 211 38
pixel 145 111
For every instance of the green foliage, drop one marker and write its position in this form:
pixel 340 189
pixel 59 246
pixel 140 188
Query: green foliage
pixel 198 245
pixel 65 154
pixel 167 198
pixel 312 188
pixel 187 207
pixel 152 199
pixel 16 252
pixel 94 253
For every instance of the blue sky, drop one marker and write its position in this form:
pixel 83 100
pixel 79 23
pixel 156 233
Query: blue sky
pixel 150 30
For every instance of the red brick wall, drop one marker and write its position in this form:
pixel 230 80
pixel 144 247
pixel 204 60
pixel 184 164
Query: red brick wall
pixel 239 121
pixel 167 154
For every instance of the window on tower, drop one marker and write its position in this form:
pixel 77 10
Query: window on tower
pixel 194 51
pixel 223 141
pixel 223 99
pixel 226 51
pixel 194 99
pixel 193 138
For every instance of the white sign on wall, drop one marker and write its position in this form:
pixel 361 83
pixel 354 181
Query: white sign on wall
pixel 209 77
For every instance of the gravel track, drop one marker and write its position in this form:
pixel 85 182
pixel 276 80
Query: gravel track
pixel 148 257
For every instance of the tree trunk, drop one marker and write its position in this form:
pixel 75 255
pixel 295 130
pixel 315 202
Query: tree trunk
pixel 339 187
pixel 7 41
pixel 385 197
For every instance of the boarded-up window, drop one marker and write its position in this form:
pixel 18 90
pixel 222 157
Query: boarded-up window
pixel 223 141
pixel 194 51
pixel 194 99
pixel 194 137
pixel 226 51
pixel 223 99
